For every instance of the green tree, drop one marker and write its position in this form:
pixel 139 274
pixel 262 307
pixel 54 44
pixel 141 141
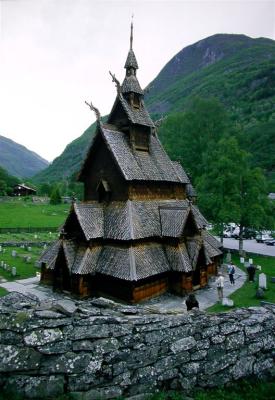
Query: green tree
pixel 3 188
pixel 189 135
pixel 230 190
pixel 218 185
pixel 55 197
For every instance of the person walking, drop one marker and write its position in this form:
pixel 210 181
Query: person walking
pixel 220 285
pixel 231 272
pixel 191 302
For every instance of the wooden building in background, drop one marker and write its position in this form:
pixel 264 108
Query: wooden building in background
pixel 22 190
pixel 138 232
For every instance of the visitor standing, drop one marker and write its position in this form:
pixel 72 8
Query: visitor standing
pixel 191 302
pixel 231 272
pixel 220 285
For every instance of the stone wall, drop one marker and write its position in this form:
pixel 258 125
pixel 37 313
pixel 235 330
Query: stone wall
pixel 100 349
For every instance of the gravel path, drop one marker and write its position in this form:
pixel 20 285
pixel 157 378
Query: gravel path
pixel 167 303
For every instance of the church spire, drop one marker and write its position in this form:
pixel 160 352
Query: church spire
pixel 131 61
pixel 131 36
pixel 130 83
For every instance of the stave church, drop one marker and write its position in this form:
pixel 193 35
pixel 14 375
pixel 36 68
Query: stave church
pixel 138 232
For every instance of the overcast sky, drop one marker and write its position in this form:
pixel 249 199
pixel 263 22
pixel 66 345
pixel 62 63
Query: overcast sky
pixel 55 54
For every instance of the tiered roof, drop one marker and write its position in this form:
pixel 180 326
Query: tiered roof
pixel 134 239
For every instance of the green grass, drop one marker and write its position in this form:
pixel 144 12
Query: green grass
pixel 243 390
pixel 22 214
pixel 28 237
pixel 24 270
pixel 245 296
pixel 3 292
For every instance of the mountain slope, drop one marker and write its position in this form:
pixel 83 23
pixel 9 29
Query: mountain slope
pixel 236 69
pixel 69 161
pixel 18 160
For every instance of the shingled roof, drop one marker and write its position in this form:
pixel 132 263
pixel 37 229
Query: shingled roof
pixel 131 61
pixel 154 165
pixel 138 116
pixel 131 84
pixel 136 219
pixel 50 254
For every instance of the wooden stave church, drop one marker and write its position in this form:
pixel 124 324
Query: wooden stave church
pixel 138 233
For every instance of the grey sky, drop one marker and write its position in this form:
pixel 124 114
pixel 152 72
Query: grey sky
pixel 57 53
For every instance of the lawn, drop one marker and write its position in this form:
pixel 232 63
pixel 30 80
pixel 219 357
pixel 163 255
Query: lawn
pixel 243 390
pixel 22 214
pixel 28 237
pixel 3 292
pixel 24 269
pixel 245 296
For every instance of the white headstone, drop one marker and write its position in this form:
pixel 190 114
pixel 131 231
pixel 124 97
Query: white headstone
pixel 250 261
pixel 35 236
pixel 29 248
pixel 246 264
pixel 241 260
pixel 29 259
pixel 5 266
pixel 14 253
pixel 228 257
pixel 2 264
pixel 0 249
pixel 262 281
pixel 13 271
pixel 227 302
pixel 259 267
pixel 45 246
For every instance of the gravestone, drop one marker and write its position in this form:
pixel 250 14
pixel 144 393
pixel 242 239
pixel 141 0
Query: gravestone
pixel 0 249
pixel 29 248
pixel 13 271
pixel 2 264
pixel 246 264
pixel 260 293
pixel 5 266
pixel 228 257
pixel 250 261
pixel 241 260
pixel 29 259
pixel 262 281
pixel 227 302
pixel 35 236
pixel 14 253
pixel 45 246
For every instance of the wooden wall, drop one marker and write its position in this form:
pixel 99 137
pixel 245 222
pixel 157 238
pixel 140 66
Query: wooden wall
pixel 155 191
pixel 102 166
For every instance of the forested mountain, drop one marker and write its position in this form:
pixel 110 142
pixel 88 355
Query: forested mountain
pixel 69 162
pixel 236 70
pixel 17 160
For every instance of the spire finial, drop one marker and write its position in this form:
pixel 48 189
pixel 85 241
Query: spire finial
pixel 131 36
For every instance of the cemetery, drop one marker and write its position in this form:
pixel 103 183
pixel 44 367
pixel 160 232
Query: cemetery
pixel 18 262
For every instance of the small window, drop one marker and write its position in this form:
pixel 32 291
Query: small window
pixel 141 141
pixel 103 191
